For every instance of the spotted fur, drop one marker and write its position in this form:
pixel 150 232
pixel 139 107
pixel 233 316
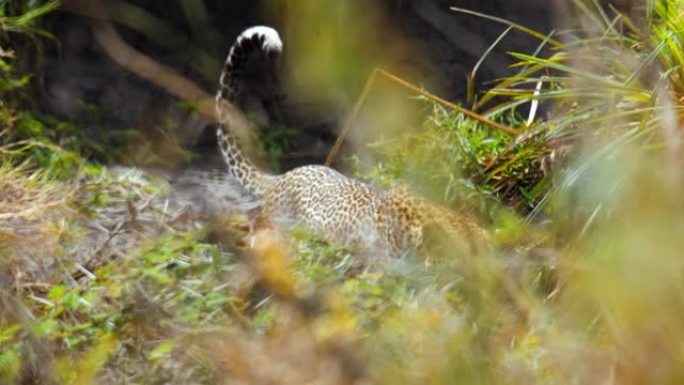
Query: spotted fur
pixel 338 208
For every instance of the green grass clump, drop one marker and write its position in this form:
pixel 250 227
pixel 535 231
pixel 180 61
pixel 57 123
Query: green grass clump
pixel 456 160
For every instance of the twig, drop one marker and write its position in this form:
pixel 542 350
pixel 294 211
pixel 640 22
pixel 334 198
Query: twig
pixel 142 65
pixel 86 272
pixel 473 115
pixel 352 117
pixel 134 60
pixel 366 90
pixel 93 262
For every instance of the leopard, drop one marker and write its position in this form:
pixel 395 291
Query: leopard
pixel 337 208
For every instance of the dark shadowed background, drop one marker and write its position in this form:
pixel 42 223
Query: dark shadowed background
pixel 83 84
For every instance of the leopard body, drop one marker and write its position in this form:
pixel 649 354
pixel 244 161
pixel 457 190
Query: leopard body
pixel 336 207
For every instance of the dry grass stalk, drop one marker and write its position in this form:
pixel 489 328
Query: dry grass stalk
pixel 396 79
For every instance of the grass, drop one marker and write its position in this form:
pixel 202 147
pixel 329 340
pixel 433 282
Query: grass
pixel 103 281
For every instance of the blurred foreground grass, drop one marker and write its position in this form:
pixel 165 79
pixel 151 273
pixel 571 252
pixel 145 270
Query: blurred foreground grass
pixel 101 281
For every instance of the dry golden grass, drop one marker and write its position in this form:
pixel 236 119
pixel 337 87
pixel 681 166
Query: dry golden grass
pixel 31 209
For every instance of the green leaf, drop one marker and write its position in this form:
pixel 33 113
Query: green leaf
pixel 10 365
pixel 162 350
pixel 46 328
pixel 56 293
pixel 7 333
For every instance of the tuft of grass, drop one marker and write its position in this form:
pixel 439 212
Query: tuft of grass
pixel 20 17
pixel 454 159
